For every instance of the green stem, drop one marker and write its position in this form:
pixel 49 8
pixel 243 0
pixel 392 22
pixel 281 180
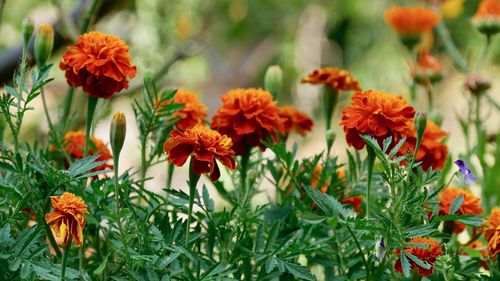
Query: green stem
pixel 413 91
pixel 91 105
pixel 429 98
pixel 65 259
pixel 371 163
pixel 116 161
pixel 2 5
pixel 193 180
pixel 329 101
pixel 365 262
pixel 67 107
pixel 90 15
pixel 450 47
pixel 484 54
pixel 243 169
pixel 170 174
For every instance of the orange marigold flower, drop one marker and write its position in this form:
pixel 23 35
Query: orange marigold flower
pixel 488 9
pixel 432 152
pixel 487 17
pixel 99 63
pixel 192 113
pixel 427 70
pixel 377 114
pixel 248 116
pixel 74 144
pixel 427 255
pixel 205 146
pixel 337 79
pixel 411 21
pixel 471 205
pixel 67 219
pixel 355 202
pixel 491 231
pixel 295 120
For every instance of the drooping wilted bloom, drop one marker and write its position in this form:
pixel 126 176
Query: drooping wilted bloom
pixel 380 249
pixel 467 175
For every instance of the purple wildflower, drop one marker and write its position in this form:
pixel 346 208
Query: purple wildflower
pixel 467 175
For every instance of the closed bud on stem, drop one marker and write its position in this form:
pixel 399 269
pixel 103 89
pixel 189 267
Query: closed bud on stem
pixel 117 133
pixel 27 30
pixel 44 42
pixel 477 84
pixel 420 120
pixel 273 80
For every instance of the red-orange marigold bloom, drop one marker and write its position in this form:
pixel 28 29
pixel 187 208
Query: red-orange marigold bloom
pixel 99 63
pixel 192 113
pixel 427 255
pixel 338 79
pixel 74 144
pixel 491 231
pixel 67 219
pixel 488 9
pixel 205 146
pixel 427 69
pixel 471 205
pixel 295 120
pixel 248 116
pixel 377 114
pixel 432 152
pixel 411 21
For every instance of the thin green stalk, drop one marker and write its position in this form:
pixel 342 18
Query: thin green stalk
pixel 91 105
pixel 413 91
pixel 450 47
pixel 193 181
pixel 484 54
pixel 244 169
pixel 371 163
pixel 365 262
pixel 329 101
pixel 116 161
pixel 68 100
pixel 65 259
pixel 2 5
pixel 429 98
pixel 170 174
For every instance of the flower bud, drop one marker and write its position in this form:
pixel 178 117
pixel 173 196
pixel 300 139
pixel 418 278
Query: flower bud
pixel 273 80
pixel 117 133
pixel 44 42
pixel 420 120
pixel 27 30
pixel 477 84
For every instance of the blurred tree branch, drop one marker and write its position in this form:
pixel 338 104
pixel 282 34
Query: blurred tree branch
pixel 9 59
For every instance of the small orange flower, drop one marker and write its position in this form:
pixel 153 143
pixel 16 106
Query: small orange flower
pixel 192 113
pixel 488 9
pixel 337 79
pixel 427 255
pixel 470 206
pixel 67 219
pixel 74 144
pixel 432 152
pixel 248 116
pixel 205 146
pixel 487 17
pixel 491 231
pixel 411 21
pixel 377 114
pixel 295 120
pixel 99 63
pixel 427 70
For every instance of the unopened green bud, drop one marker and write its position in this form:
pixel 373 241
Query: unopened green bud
pixel 420 120
pixel 27 30
pixel 117 133
pixel 273 80
pixel 44 42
